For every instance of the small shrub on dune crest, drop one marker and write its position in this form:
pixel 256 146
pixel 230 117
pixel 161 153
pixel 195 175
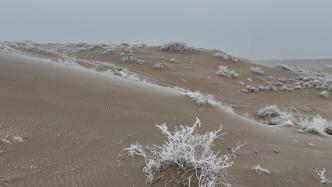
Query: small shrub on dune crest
pixel 225 72
pixel 205 99
pixel 176 47
pixel 189 152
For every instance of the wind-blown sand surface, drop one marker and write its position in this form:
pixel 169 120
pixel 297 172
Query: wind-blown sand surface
pixel 75 121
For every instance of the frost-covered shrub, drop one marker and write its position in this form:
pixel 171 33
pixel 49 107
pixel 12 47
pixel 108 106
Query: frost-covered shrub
pixel 160 66
pixel 235 59
pixel 322 175
pixel 316 124
pixel 297 85
pixel 324 93
pixel 226 56
pixel 222 55
pixel 189 152
pixel 273 115
pixel 260 170
pixel 173 60
pixel 267 86
pixel 285 67
pixel 286 88
pixel 234 149
pixel 175 47
pixel 279 84
pixel 322 81
pixel 225 72
pixel 250 89
pixel 140 61
pixel 257 70
pixel 130 58
pixel 269 112
pixel 108 51
pixel 205 99
pixel 11 140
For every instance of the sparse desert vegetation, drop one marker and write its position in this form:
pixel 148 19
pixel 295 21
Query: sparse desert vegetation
pixel 324 93
pixel 160 66
pixel 189 152
pixel 225 72
pixel 273 115
pixel 256 70
pixel 142 95
pixel 260 170
pixel 322 175
pixel 180 47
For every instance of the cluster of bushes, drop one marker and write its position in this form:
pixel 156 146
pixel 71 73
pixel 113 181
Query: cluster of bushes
pixel 176 47
pixel 273 115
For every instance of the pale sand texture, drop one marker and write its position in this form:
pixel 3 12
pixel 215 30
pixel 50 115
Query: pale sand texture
pixel 75 122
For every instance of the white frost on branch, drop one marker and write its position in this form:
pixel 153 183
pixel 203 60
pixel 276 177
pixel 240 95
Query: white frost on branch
pixel 316 125
pixel 260 170
pixel 234 149
pixel 322 175
pixel 189 152
pixel 256 70
pixel 324 93
pixel 205 99
pixel 225 72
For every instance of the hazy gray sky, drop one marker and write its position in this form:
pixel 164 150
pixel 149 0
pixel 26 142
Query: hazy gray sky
pixel 255 29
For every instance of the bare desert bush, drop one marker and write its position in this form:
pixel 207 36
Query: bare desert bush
pixel 176 47
pixel 257 70
pixel 260 170
pixel 322 175
pixel 189 152
pixel 225 72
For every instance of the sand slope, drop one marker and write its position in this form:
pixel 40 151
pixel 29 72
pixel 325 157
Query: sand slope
pixel 75 122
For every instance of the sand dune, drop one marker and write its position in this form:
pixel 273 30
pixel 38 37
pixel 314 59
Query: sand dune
pixel 75 121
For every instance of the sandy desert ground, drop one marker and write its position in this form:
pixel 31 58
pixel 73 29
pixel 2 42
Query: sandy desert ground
pixel 67 111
